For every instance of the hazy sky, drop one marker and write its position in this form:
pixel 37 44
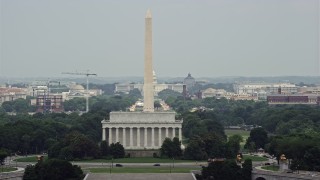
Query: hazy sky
pixel 208 38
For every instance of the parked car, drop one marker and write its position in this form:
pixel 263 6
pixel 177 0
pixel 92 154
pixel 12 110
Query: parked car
pixel 156 164
pixel 119 165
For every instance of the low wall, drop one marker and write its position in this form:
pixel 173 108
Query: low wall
pixel 142 153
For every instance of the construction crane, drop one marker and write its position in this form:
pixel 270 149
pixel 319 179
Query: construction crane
pixel 85 74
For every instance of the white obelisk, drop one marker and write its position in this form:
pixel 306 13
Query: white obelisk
pixel 148 75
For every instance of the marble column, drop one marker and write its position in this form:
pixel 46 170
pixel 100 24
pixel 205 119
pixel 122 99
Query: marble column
pixel 124 137
pixel 152 137
pixel 160 142
pixel 145 136
pixel 138 137
pixel 173 132
pixel 103 134
pixel 180 135
pixel 167 133
pixel 131 137
pixel 110 135
pixel 117 134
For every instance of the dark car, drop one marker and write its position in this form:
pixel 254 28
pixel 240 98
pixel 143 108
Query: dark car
pixel 289 171
pixel 156 165
pixel 119 165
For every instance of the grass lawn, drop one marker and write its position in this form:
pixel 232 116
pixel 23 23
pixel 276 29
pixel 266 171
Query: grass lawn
pixel 271 168
pixel 7 169
pixel 138 160
pixel 141 170
pixel 30 159
pixel 254 158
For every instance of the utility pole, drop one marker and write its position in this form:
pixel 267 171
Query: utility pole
pixel 87 94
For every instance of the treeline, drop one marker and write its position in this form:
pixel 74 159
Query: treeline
pixel 36 133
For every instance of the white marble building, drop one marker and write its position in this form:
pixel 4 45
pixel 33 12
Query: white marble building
pixel 141 130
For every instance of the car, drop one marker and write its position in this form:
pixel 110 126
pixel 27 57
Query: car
pixel 119 165
pixel 156 164
pixel 267 164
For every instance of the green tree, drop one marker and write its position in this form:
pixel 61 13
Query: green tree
pixel 3 155
pixel 195 150
pixel 30 173
pixel 53 169
pixel 171 148
pixel 227 170
pixel 233 145
pixel 104 148
pixel 21 105
pixel 117 150
pixel 168 93
pixel 7 106
pixel 259 137
pixel 157 105
pixel 247 169
pixel 135 93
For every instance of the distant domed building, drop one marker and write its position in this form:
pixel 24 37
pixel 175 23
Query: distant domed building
pixel 189 81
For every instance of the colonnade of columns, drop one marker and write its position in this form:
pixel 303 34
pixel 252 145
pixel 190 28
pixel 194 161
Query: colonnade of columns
pixel 140 137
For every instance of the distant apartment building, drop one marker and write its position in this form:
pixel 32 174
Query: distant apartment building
pixel 12 93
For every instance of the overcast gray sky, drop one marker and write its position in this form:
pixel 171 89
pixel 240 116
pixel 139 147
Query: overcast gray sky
pixel 208 38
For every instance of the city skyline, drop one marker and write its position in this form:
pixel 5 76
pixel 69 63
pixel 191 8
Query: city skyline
pixel 208 39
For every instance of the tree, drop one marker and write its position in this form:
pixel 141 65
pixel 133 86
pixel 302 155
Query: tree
pixel 157 105
pixel 247 169
pixel 104 148
pixel 3 155
pixel 21 105
pixel 30 173
pixel 227 170
pixel 7 106
pixel 117 150
pixel 233 145
pixel 312 159
pixel 166 93
pixel 258 136
pixel 135 93
pixel 53 169
pixel 195 150
pixel 171 148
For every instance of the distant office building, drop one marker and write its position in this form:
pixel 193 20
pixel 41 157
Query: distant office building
pixel 269 88
pixel 49 103
pixel 309 90
pixel 210 92
pixel 293 99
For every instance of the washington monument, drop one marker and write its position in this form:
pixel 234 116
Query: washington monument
pixel 142 130
pixel 148 75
